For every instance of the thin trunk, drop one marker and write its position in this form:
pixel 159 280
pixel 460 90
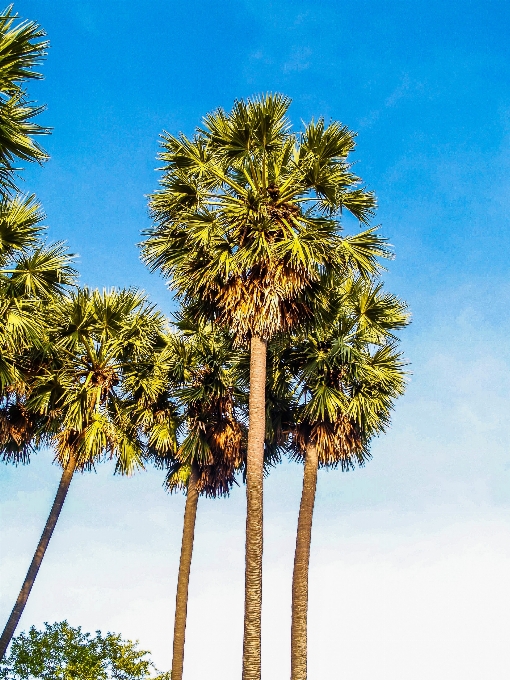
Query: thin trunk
pixel 17 611
pixel 181 600
pixel 254 485
pixel 298 653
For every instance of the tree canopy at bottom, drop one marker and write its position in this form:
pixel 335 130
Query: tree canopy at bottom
pixel 61 652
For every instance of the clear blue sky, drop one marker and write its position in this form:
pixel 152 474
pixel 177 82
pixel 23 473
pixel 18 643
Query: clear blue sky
pixel 411 555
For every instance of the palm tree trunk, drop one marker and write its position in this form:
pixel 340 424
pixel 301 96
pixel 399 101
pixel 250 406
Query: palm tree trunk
pixel 298 653
pixel 17 611
pixel 254 488
pixel 181 600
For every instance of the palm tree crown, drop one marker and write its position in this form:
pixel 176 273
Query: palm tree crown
pixel 247 219
pixel 187 401
pixel 94 337
pixel 32 274
pixel 349 374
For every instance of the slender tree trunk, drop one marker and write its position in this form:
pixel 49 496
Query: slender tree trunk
pixel 181 600
pixel 298 653
pixel 17 611
pixel 254 487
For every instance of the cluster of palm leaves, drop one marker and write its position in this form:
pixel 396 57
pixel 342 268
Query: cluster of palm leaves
pixel 285 343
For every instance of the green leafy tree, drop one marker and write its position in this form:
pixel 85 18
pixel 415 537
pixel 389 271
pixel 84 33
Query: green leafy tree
pixel 61 652
pixel 247 227
pixel 75 396
pixel 193 428
pixel 348 374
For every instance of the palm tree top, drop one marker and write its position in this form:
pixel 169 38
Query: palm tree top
pixel 22 47
pixel 75 392
pixel 247 220
pixel 341 379
pixel 188 402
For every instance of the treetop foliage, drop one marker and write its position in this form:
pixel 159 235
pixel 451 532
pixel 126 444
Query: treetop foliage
pixel 61 652
pixel 247 220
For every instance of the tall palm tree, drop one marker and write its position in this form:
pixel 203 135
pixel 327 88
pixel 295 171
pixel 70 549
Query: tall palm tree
pixel 349 374
pixel 199 400
pixel 75 396
pixel 247 228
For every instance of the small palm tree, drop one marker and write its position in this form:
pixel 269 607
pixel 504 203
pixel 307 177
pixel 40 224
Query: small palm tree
pixel 75 396
pixel 199 400
pixel 247 228
pixel 348 374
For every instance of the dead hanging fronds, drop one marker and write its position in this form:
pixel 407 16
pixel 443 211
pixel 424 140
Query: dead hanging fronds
pixel 338 443
pixel 267 300
pixel 18 428
pixel 216 441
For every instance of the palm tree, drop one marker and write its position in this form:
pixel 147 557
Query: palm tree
pixel 348 373
pixel 75 396
pixel 22 47
pixel 247 228
pixel 199 399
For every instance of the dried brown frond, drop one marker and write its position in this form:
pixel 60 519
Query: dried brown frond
pixel 104 377
pixel 264 302
pixel 17 426
pixel 66 446
pixel 226 440
pixel 338 443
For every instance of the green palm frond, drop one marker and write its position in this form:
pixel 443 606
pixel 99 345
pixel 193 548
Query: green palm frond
pixel 20 227
pixel 42 273
pixel 32 274
pixel 379 314
pixel 177 477
pixel 22 47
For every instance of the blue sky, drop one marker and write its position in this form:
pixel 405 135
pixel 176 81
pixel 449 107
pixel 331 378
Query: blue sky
pixel 411 554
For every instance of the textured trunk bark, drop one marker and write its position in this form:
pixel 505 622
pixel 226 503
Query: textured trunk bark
pixel 17 611
pixel 181 600
pixel 298 653
pixel 254 487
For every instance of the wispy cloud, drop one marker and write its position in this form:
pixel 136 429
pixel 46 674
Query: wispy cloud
pixel 298 60
pixel 402 90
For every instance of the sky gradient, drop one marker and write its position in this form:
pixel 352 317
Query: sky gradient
pixel 410 555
